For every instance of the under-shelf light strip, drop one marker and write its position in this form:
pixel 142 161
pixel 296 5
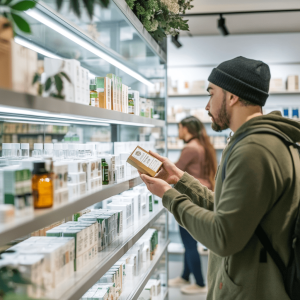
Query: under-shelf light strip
pixel 81 42
pixel 71 120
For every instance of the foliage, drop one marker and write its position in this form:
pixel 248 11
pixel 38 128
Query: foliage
pixel 10 279
pixel 88 4
pixel 11 10
pixel 161 17
pixel 56 79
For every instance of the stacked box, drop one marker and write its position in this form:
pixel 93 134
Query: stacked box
pixel 86 241
pixel 15 189
pixel 60 183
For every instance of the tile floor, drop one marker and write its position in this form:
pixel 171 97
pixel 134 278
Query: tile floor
pixel 175 268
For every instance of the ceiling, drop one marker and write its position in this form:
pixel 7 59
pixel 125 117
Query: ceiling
pixel 244 23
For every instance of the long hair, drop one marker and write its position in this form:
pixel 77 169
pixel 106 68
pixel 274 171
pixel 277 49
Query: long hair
pixel 196 128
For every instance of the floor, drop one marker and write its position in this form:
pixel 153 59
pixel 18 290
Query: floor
pixel 175 268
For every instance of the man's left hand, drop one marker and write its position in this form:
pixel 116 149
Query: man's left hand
pixel 155 185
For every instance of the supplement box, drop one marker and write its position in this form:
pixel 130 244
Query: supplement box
pixel 144 162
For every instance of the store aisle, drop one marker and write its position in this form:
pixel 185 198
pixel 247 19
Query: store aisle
pixel 175 294
pixel 175 268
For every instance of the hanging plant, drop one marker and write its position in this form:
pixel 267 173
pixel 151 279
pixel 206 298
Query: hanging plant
pixel 11 11
pixel 161 17
pixel 56 80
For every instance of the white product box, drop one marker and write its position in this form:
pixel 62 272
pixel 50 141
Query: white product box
pixel 137 202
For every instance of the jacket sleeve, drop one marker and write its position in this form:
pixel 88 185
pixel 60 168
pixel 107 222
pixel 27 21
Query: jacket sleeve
pixel 196 192
pixel 248 192
pixel 187 155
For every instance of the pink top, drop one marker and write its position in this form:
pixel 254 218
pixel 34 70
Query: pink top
pixel 192 160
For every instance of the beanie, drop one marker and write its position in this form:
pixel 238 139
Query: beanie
pixel 246 78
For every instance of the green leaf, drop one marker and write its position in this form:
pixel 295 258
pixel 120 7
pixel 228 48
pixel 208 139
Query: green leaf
pixel 7 2
pixel 57 96
pixel 58 83
pixel 74 5
pixel 21 23
pixel 36 78
pixel 59 4
pixel 158 34
pixel 66 76
pixel 48 84
pixel 89 5
pixel 23 5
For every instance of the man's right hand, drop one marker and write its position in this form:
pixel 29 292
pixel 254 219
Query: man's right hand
pixel 168 172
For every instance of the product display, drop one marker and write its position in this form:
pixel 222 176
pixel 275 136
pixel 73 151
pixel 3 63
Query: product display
pixel 127 269
pixel 71 205
pixel 144 162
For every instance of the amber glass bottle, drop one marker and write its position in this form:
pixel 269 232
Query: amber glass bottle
pixel 42 186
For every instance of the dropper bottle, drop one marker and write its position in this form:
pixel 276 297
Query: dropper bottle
pixel 94 101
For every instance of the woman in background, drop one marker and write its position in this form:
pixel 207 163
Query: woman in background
pixel 197 158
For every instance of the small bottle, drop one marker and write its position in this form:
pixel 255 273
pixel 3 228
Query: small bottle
pixel 72 151
pixel 48 150
pixel 6 150
pixel 37 150
pixel 100 91
pixel 81 151
pixel 58 151
pixel 42 186
pixel 130 103
pixel 89 150
pixel 105 174
pixel 93 94
pixel 16 151
pixel 25 150
pixel 65 150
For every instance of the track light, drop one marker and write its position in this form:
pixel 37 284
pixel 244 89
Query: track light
pixel 222 27
pixel 175 41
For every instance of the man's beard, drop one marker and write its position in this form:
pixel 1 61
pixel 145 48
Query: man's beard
pixel 222 122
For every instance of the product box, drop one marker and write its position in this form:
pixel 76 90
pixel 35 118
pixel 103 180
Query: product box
pixel 113 91
pixel 104 89
pixel 292 83
pixel 18 64
pixel 144 162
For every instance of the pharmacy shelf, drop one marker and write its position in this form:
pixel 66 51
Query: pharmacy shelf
pixel 180 149
pixel 21 226
pixel 133 290
pixel 206 94
pixel 73 288
pixel 176 123
pixel 20 106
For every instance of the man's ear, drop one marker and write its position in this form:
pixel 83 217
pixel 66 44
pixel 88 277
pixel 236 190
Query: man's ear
pixel 233 100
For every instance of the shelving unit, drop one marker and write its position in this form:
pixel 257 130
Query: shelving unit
pixel 133 291
pixel 40 218
pixel 206 94
pixel 17 105
pixel 77 285
pixel 65 36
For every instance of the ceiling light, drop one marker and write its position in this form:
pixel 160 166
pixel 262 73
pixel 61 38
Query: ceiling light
pixel 175 41
pixel 222 27
pixel 83 43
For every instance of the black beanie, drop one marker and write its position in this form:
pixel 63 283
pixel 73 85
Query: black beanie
pixel 246 78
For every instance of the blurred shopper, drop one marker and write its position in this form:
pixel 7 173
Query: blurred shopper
pixel 255 203
pixel 198 159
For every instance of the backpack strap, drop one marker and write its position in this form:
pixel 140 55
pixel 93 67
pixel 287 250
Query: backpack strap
pixel 260 233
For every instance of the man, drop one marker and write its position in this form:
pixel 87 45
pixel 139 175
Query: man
pixel 260 188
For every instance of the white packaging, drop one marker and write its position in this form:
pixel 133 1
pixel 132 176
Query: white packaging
pixel 137 202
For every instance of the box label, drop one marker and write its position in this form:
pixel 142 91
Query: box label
pixel 146 159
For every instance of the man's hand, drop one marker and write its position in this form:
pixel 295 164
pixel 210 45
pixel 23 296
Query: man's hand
pixel 168 172
pixel 155 185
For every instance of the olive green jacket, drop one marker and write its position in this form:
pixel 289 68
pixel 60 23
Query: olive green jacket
pixel 260 187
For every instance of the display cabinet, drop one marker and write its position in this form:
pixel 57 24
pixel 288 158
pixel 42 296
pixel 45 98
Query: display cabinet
pixel 114 41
